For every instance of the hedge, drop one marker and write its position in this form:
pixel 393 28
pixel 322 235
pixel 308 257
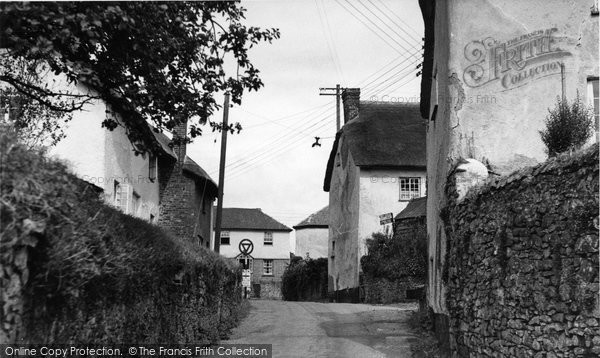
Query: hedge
pixel 305 280
pixel 79 271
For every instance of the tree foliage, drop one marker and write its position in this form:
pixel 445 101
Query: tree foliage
pixel 35 125
pixel 568 126
pixel 396 258
pixel 149 61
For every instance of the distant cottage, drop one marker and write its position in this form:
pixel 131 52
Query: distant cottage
pixel 271 241
pixel 376 166
pixel 312 235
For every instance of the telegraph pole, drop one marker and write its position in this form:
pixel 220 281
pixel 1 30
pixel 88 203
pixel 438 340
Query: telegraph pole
pixel 563 85
pixel 224 130
pixel 326 91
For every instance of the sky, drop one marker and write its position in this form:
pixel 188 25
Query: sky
pixel 271 164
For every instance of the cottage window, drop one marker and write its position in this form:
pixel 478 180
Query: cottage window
pixel 121 196
pixel 410 188
pixel 152 168
pixel 135 203
pixel 225 238
pixel 268 267
pixel 268 238
pixel 592 95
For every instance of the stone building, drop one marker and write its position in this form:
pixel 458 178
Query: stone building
pixel 376 166
pixel 271 247
pixel 491 71
pixel 312 235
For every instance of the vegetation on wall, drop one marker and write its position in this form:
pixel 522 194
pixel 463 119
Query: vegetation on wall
pixel 305 279
pixel 568 126
pixel 77 270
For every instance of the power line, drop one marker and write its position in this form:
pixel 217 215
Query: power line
pixel 377 26
pixel 394 83
pixel 399 18
pixel 266 154
pixel 397 73
pixel 385 73
pixel 329 40
pixel 369 27
pixel 385 13
pixel 272 156
pixel 277 120
pixel 253 160
pixel 276 140
pixel 288 137
pixel 388 25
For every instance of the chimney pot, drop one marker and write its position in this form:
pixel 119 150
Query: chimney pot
pixel 180 141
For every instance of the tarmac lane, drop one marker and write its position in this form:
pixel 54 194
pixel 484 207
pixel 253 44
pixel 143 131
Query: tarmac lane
pixel 312 329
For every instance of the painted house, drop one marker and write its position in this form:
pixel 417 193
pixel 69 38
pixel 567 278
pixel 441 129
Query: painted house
pixel 312 235
pixel 164 187
pixel 491 71
pixel 376 166
pixel 271 247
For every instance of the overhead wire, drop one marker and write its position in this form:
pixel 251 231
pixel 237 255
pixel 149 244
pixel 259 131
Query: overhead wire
pixel 267 146
pixel 241 166
pixel 416 38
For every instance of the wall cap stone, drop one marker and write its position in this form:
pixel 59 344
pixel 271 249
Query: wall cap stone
pixel 566 162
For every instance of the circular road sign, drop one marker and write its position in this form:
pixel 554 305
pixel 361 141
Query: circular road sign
pixel 246 247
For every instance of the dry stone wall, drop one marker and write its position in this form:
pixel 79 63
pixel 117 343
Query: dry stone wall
pixel 522 262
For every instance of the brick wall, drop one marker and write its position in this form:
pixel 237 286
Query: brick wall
pixel 182 211
pixel 522 263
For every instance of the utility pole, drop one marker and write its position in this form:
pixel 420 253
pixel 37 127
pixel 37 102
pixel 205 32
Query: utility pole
pixel 563 85
pixel 224 130
pixel 337 94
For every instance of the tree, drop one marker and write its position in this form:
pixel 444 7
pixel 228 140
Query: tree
pixel 150 62
pixel 568 126
pixel 35 125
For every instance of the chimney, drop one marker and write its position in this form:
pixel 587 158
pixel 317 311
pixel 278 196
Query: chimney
pixel 180 141
pixel 351 100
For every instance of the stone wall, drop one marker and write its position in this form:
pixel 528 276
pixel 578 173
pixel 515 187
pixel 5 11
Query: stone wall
pixel 381 290
pixel 522 262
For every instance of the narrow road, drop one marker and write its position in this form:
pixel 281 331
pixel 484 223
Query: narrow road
pixel 310 329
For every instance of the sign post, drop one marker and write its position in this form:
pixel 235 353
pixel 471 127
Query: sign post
pixel 384 220
pixel 387 218
pixel 246 247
